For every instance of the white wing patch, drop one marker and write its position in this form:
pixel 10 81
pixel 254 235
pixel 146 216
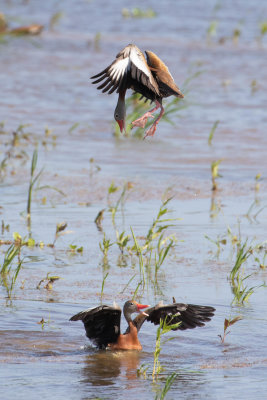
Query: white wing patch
pixel 122 66
pixel 130 69
pixel 118 69
pixel 138 61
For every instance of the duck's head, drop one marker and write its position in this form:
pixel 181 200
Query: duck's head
pixel 120 113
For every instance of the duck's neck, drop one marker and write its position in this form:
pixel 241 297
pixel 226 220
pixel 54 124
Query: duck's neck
pixel 128 317
pixel 122 95
pixel 120 107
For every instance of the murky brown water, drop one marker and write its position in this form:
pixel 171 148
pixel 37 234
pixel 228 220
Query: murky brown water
pixel 44 82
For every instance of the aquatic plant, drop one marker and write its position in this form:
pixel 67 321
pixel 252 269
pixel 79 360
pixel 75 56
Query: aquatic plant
pixel 15 152
pixel 169 381
pixel 252 214
pixel 61 226
pixel 4 227
pixel 138 250
pixel 254 86
pixel 138 13
pixel 237 32
pixel 105 245
pixel 74 249
pixel 212 131
pixel 97 39
pixel 142 371
pixel 93 167
pixel 157 228
pixel 55 18
pixel 227 323
pixel 98 220
pixel 102 286
pixel 215 173
pixel 127 284
pixel 8 273
pixel 242 256
pixel 122 240
pixel 241 291
pixel 163 247
pixel 261 259
pixel 258 178
pixel 33 180
pixel 263 29
pixel 48 280
pixel 42 322
pixel 165 326
pixel 218 242
pixel 121 200
pixel 212 30
pixel 215 206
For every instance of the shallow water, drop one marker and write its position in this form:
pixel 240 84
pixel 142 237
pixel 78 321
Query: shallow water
pixel 45 83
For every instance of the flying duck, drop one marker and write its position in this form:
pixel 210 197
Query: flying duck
pixel 148 76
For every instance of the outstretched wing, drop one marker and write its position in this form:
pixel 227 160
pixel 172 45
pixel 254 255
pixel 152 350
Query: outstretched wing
pixel 102 324
pixel 189 315
pixel 129 70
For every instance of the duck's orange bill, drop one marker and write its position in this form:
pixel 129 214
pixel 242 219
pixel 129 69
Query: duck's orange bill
pixel 141 306
pixel 121 124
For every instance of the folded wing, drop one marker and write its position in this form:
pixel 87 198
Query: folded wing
pixel 102 324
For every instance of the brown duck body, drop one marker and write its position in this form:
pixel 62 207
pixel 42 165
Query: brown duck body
pixel 150 77
pixel 166 85
pixel 127 341
pixel 102 324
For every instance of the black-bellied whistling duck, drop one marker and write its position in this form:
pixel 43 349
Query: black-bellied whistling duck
pixel 102 324
pixel 150 77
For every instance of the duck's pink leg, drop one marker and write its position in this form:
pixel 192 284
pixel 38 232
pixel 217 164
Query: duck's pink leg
pixel 152 129
pixel 141 122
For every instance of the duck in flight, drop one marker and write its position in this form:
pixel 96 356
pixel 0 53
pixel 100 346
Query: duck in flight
pixel 102 324
pixel 148 76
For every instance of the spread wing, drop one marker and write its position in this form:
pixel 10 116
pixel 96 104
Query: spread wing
pixel 129 70
pixel 102 324
pixel 189 315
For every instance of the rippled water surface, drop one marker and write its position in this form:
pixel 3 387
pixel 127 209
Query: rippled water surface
pixel 44 82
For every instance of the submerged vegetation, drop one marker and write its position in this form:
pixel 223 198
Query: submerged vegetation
pixel 138 13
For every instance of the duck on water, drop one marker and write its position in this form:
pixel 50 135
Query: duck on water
pixel 102 324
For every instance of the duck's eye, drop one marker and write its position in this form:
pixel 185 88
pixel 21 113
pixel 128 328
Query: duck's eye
pixel 116 116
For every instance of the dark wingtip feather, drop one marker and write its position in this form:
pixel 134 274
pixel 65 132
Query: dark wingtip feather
pixel 100 73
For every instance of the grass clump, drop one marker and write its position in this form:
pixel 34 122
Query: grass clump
pixel 241 291
pixel 8 272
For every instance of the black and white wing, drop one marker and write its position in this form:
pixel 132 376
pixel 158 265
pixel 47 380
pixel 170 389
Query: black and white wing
pixel 188 315
pixel 129 70
pixel 102 324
